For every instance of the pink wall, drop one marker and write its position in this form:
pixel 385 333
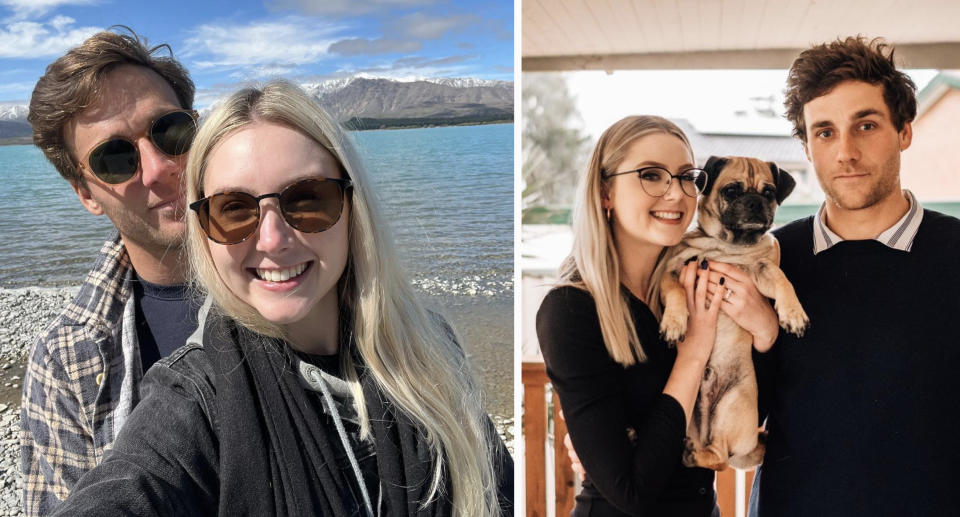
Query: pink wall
pixel 930 168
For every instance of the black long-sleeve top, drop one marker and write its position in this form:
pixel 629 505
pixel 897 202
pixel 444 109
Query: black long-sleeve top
pixel 601 399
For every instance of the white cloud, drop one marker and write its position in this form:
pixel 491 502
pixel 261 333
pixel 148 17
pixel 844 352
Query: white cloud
pixel 28 40
pixel 19 90
pixel 27 9
pixel 360 46
pixel 264 44
pixel 262 71
pixel 345 7
pixel 422 62
pixel 414 68
pixel 403 35
pixel 61 22
pixel 423 26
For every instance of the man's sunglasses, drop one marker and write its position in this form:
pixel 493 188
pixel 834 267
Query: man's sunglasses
pixel 311 205
pixel 117 159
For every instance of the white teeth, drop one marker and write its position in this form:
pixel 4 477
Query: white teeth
pixel 667 215
pixel 281 275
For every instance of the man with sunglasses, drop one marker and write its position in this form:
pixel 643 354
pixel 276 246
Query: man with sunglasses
pixel 114 118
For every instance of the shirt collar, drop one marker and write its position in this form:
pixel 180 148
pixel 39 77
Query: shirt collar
pixel 899 236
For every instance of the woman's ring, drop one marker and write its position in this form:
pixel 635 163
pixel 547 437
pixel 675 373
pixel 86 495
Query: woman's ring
pixel 728 294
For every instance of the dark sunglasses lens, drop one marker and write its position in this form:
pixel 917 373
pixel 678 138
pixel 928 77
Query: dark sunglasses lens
pixel 114 161
pixel 311 205
pixel 230 217
pixel 173 133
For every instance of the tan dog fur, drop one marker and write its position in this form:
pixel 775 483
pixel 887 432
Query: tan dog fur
pixel 723 427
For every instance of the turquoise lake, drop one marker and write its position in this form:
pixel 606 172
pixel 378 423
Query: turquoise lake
pixel 446 192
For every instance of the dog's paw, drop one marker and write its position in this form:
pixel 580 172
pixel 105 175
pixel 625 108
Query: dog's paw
pixel 710 458
pixel 673 326
pixel 793 319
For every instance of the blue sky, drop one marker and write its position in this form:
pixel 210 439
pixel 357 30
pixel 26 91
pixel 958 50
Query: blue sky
pixel 226 43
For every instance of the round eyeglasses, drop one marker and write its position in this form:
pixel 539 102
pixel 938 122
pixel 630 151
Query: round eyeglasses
pixel 656 180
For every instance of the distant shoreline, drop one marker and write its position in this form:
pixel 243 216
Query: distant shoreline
pixel 384 124
pixel 17 140
pixel 421 126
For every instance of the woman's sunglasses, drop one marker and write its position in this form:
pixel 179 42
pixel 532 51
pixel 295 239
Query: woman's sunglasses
pixel 116 160
pixel 310 206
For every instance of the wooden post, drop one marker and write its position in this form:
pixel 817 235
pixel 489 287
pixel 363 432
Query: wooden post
pixel 564 479
pixel 727 492
pixel 534 437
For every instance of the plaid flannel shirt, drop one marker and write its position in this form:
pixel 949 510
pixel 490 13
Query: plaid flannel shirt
pixel 82 381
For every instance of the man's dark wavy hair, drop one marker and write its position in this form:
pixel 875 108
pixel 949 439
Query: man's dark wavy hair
pixel 73 83
pixel 819 69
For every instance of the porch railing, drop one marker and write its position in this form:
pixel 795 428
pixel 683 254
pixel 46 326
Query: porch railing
pixel 733 487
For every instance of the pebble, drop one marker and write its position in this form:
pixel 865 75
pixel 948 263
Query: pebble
pixel 505 430
pixel 26 313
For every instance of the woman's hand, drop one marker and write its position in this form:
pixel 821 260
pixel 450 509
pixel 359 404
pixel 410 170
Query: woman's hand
pixel 693 352
pixel 704 310
pixel 745 305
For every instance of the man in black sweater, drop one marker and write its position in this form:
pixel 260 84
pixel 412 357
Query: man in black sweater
pixel 860 409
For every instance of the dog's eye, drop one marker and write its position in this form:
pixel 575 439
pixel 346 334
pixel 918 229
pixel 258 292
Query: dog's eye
pixel 769 192
pixel 732 191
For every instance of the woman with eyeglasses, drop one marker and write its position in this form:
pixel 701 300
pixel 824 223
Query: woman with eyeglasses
pixel 316 383
pixel 626 395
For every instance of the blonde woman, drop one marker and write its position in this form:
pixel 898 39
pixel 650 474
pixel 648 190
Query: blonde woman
pixel 626 395
pixel 316 383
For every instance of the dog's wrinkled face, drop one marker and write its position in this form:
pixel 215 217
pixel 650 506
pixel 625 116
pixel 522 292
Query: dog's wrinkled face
pixel 741 198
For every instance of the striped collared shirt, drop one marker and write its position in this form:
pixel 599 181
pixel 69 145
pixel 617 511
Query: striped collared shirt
pixel 899 236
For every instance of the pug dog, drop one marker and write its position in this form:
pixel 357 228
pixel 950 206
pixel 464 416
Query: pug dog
pixel 735 212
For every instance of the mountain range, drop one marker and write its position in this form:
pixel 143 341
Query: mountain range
pixel 369 103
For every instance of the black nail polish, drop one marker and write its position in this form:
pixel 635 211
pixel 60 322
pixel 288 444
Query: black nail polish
pixel 689 260
pixel 723 279
pixel 703 264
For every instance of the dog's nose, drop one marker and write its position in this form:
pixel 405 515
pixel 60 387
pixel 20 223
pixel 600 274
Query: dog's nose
pixel 753 202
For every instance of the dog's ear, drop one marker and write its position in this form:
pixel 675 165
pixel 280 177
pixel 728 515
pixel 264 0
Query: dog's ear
pixel 783 180
pixel 714 165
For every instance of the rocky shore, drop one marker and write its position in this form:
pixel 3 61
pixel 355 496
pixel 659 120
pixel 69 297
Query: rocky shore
pixel 24 313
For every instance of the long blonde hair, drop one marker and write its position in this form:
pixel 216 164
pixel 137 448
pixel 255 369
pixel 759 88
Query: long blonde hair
pixel 593 263
pixel 411 357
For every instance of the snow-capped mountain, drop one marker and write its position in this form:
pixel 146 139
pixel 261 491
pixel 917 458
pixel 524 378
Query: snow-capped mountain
pixel 14 112
pixel 466 82
pixel 366 102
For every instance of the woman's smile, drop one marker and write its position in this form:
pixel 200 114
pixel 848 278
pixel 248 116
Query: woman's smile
pixel 280 278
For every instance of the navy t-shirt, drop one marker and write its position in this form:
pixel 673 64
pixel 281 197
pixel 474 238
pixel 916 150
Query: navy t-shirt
pixel 166 316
